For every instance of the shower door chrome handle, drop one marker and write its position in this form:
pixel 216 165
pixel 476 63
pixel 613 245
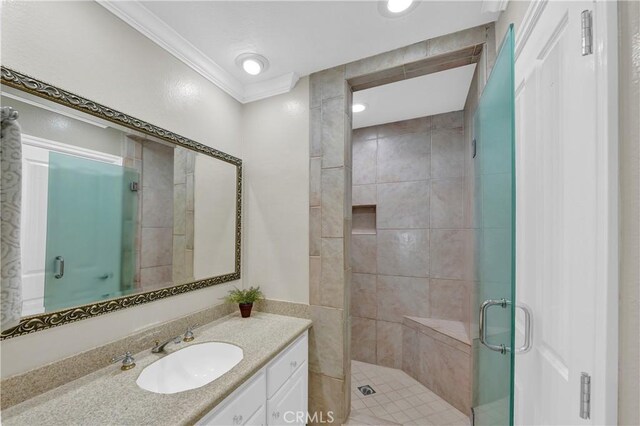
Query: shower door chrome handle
pixel 483 323
pixel 503 303
pixel 59 267
pixel 527 330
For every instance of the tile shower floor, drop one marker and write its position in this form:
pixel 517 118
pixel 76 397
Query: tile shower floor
pixel 399 399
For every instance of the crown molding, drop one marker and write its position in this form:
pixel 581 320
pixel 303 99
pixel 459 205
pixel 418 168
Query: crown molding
pixel 148 24
pixel 493 6
pixel 272 87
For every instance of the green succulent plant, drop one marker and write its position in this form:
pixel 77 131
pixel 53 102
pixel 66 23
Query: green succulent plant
pixel 250 295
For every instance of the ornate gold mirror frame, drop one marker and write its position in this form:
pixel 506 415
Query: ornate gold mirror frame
pixel 31 324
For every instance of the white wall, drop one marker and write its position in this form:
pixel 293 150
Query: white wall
pixel 513 14
pixel 83 48
pixel 276 195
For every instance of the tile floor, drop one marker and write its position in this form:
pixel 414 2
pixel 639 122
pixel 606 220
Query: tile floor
pixel 399 400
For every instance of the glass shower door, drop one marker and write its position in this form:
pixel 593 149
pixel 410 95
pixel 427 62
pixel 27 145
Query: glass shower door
pixel 494 132
pixel 89 231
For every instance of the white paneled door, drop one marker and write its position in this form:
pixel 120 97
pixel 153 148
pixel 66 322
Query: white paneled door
pixel 566 272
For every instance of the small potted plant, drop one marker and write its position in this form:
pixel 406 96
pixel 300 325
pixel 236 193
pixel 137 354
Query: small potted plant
pixel 245 299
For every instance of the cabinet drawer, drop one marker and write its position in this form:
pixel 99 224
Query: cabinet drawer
pixel 289 405
pixel 281 368
pixel 241 405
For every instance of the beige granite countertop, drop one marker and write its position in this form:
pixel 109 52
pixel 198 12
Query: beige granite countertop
pixel 111 396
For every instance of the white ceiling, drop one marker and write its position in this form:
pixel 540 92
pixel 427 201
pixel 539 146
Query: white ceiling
pixel 297 37
pixel 430 94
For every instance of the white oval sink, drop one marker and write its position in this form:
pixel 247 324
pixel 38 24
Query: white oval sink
pixel 190 368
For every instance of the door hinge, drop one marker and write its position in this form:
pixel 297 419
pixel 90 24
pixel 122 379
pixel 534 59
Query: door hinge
pixel 587 33
pixel 585 396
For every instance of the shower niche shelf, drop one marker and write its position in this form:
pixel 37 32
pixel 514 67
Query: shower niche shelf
pixel 363 220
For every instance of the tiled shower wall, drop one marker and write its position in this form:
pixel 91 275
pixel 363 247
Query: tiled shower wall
pixel 330 195
pixel 183 214
pixel 418 260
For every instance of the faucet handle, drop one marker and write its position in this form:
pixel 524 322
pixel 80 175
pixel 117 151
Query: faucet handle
pixel 188 335
pixel 128 362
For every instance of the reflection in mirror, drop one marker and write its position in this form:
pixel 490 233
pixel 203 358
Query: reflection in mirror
pixel 108 212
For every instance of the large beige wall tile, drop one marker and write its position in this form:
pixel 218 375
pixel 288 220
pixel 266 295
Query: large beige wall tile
pixel 156 277
pixel 447 153
pixel 315 181
pixel 404 157
pixel 178 262
pixel 326 395
pixel 458 40
pixel 333 132
pixel 327 84
pixel 326 344
pixel 363 296
pixel 332 276
pixel 157 247
pixel 449 251
pixel 389 346
pixel 403 205
pixel 315 231
pixel 315 271
pixel 410 356
pixel 363 339
pixel 364 161
pixel 190 191
pixel 364 133
pixel 416 125
pixel 315 132
pixel 157 165
pixel 374 64
pixel 447 203
pixel 179 209
pixel 333 202
pixel 363 253
pixel 400 296
pixel 446 371
pixel 403 252
pixel 449 120
pixel 364 195
pixel 469 202
pixel 450 299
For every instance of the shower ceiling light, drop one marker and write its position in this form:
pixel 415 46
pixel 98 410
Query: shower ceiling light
pixel 358 107
pixel 396 8
pixel 252 63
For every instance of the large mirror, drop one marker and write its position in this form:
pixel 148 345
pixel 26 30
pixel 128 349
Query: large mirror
pixel 112 209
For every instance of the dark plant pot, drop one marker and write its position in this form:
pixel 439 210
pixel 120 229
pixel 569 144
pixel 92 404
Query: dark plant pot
pixel 245 309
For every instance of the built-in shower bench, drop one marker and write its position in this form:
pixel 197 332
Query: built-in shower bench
pixel 437 353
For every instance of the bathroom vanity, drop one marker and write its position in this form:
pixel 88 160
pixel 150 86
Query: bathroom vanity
pixel 268 387
pixel 275 395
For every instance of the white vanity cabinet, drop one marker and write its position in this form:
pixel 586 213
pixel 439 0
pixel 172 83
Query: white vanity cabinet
pixel 275 395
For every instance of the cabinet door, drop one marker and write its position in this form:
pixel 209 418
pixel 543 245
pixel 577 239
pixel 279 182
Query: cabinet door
pixel 289 405
pixel 259 418
pixel 285 364
pixel 240 405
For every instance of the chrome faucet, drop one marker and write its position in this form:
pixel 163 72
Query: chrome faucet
pixel 159 347
pixel 188 335
pixel 127 361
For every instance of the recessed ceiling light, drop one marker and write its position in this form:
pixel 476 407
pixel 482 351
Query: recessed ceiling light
pixel 358 107
pixel 397 6
pixel 251 66
pixel 252 63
